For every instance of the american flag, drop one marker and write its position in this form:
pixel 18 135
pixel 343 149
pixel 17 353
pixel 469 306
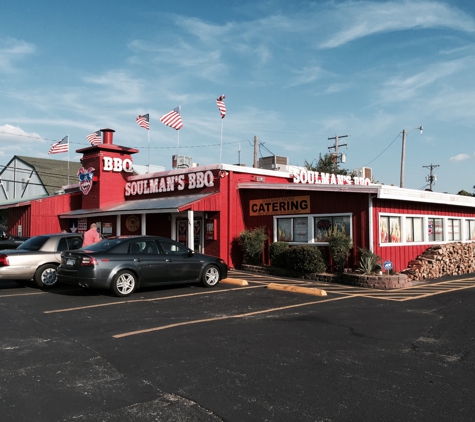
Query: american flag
pixel 94 138
pixel 61 146
pixel 143 121
pixel 172 119
pixel 221 105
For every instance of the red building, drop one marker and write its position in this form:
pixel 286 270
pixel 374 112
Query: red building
pixel 208 207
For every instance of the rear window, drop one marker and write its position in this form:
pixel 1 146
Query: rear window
pixel 33 243
pixel 103 245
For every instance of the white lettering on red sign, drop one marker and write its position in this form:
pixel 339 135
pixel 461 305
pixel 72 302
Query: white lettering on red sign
pixel 117 164
pixel 169 183
pixel 315 177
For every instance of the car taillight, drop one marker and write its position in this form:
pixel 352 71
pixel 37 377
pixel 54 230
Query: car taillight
pixel 4 260
pixel 88 261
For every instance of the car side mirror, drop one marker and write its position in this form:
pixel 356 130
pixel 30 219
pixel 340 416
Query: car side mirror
pixel 191 252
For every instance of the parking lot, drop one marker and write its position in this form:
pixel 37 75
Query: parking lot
pixel 238 353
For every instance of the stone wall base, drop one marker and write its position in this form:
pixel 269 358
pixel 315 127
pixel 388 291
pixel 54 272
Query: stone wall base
pixel 383 282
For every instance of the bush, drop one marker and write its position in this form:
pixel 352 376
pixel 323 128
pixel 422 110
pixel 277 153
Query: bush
pixel 340 246
pixel 305 259
pixel 278 252
pixel 369 262
pixel 252 243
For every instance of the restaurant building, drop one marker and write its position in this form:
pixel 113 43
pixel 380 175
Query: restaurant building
pixel 207 207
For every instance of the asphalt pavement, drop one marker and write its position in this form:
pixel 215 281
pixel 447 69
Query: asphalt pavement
pixel 238 353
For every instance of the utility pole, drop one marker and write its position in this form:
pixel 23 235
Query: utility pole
pixel 335 154
pixel 256 149
pixel 432 177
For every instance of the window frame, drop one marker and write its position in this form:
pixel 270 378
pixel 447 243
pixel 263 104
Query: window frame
pixel 311 218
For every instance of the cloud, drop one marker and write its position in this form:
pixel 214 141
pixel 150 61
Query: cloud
pixel 12 136
pixel 460 157
pixel 12 50
pixel 306 75
pixel 118 87
pixel 361 19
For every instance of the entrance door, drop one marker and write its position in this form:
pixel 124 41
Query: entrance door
pixel 182 233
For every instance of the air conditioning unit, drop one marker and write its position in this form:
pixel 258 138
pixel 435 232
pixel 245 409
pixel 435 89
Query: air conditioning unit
pixel 181 161
pixel 274 162
pixel 365 172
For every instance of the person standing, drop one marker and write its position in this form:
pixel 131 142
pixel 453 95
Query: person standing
pixel 91 236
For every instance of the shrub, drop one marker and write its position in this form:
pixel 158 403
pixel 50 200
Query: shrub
pixel 252 243
pixel 369 262
pixel 340 246
pixel 278 254
pixel 305 259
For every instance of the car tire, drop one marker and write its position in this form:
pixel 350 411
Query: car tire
pixel 46 276
pixel 211 276
pixel 124 283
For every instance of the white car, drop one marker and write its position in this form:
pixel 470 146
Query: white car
pixel 38 258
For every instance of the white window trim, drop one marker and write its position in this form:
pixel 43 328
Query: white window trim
pixel 310 226
pixel 425 234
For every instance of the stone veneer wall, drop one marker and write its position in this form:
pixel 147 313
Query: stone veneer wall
pixel 383 282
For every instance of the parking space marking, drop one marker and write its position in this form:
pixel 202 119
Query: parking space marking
pixel 23 294
pixel 419 291
pixel 224 317
pixel 99 305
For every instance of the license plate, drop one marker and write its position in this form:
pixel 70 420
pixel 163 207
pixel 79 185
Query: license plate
pixel 70 262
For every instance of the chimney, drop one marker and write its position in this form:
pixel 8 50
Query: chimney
pixel 108 136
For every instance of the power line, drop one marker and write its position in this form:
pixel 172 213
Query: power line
pixel 394 140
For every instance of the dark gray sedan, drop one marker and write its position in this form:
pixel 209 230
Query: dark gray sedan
pixel 125 263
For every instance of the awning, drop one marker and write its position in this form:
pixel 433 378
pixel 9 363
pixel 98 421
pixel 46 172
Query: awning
pixel 141 206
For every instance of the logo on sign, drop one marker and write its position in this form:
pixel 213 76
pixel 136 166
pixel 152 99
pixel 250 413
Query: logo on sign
pixel 388 265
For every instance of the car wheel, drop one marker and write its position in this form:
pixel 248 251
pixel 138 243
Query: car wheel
pixel 124 283
pixel 46 276
pixel 211 276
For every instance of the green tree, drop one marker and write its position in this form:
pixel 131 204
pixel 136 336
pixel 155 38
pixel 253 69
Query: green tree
pixel 464 193
pixel 326 164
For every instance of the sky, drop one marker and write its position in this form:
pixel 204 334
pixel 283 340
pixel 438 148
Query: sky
pixel 294 74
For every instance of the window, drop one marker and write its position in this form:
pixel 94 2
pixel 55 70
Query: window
pixel 389 229
pixel 292 229
pixel 414 232
pixel 173 248
pixel 325 226
pixel 469 229
pixel 435 229
pixel 453 229
pixel 311 228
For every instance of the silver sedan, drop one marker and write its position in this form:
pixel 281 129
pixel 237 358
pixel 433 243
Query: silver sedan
pixel 38 258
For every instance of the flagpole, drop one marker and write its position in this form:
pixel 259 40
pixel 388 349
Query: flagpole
pixel 68 159
pixel 221 147
pixel 178 142
pixel 148 150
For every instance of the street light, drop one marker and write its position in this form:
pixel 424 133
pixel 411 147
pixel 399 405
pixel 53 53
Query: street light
pixel 403 155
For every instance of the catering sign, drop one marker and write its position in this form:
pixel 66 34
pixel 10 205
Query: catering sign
pixel 275 206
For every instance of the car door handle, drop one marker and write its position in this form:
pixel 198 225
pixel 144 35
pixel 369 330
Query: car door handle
pixel 137 259
pixel 168 260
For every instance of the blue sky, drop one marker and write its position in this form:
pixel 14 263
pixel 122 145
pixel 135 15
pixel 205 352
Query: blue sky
pixel 294 74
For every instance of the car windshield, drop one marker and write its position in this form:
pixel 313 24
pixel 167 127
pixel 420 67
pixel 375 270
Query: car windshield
pixel 103 245
pixel 33 243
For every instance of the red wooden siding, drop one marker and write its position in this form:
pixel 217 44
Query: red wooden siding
pixel 401 255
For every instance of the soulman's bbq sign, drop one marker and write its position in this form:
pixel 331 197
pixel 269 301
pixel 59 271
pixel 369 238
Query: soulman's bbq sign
pixel 287 205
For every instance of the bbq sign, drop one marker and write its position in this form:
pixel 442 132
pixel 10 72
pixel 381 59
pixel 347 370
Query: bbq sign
pixel 275 206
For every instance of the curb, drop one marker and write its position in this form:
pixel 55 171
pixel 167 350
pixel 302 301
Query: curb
pixel 236 281
pixel 297 289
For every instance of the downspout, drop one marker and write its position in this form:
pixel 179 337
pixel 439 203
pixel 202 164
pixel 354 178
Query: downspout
pixel 370 222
